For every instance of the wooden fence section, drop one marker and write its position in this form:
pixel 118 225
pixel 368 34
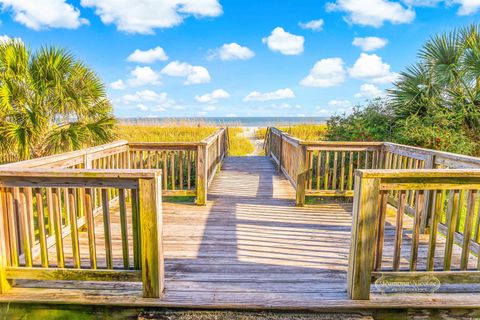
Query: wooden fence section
pixel 41 207
pixel 325 168
pixel 187 167
pixel 387 237
pixel 321 168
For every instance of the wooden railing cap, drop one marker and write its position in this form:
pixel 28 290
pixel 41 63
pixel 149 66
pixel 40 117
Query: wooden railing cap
pixel 82 173
pixel 208 140
pixel 63 156
pixel 418 173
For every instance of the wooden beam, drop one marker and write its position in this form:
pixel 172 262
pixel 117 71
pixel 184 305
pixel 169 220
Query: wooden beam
pixel 202 175
pixel 445 277
pixel 73 274
pixel 361 256
pixel 301 176
pixel 151 237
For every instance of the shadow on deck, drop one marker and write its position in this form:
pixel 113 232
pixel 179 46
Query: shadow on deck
pixel 249 247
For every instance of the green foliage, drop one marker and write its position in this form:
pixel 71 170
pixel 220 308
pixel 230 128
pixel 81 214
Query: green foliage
pixel 372 123
pixel 434 104
pixel 49 102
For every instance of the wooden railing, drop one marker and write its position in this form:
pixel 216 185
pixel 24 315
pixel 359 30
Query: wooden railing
pixel 40 208
pixel 401 194
pixel 321 168
pixel 386 228
pixel 187 167
pixel 325 168
pixel 50 207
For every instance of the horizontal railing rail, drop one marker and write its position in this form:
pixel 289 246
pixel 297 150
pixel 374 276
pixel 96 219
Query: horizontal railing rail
pixel 188 167
pixel 325 168
pixel 45 213
pixel 387 237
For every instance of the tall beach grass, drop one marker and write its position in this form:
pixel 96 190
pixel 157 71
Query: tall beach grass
pixel 309 132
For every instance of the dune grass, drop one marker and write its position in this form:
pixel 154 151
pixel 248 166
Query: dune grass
pixel 309 132
pixel 239 145
pixel 183 132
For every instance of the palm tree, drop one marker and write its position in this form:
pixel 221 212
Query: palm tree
pixel 49 102
pixel 446 80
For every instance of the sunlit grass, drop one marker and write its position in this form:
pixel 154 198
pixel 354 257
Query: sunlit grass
pixel 184 132
pixel 239 145
pixel 308 132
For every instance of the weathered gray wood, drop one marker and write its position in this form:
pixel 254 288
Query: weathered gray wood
pixel 202 175
pixel 72 274
pixel 124 228
pixel 107 229
pixel 4 285
pixel 302 175
pixel 73 228
pixel 89 221
pixel 362 243
pixel 468 226
pixel 452 213
pixel 151 237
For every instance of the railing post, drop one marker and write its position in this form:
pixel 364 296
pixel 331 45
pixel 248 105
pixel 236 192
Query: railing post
pixel 280 154
pixel 428 203
pixel 219 153
pixel 150 194
pixel 4 285
pixel 202 174
pixel 365 208
pixel 302 175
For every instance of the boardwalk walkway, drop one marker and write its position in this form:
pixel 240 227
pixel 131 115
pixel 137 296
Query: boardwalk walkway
pixel 250 247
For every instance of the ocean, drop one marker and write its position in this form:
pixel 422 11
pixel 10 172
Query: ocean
pixel 231 121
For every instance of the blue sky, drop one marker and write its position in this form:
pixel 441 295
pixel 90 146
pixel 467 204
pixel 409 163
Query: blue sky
pixel 185 58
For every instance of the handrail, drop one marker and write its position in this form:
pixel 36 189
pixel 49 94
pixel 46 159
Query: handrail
pixel 50 160
pixel 325 168
pixel 184 164
pixel 447 196
pixel 61 202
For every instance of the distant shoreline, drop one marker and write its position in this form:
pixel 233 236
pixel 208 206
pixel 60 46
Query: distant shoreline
pixel 232 121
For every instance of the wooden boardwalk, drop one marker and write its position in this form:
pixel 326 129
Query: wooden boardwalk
pixel 250 247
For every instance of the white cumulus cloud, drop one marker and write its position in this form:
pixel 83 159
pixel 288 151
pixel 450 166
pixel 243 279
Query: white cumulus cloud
pixel 370 67
pixel 149 100
pixel 145 16
pixel 148 56
pixel 373 12
pixel 118 85
pixel 231 51
pixel 325 73
pixel 284 42
pixel 5 38
pixel 285 106
pixel 143 76
pixel 334 107
pixel 369 91
pixel 37 15
pixel 369 43
pixel 193 74
pixel 467 7
pixel 314 25
pixel 279 94
pixel 213 96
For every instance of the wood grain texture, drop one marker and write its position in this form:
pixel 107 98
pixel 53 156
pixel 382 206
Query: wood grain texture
pixel 248 247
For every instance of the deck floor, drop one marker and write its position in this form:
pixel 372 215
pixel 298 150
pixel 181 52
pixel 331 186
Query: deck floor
pixel 250 247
